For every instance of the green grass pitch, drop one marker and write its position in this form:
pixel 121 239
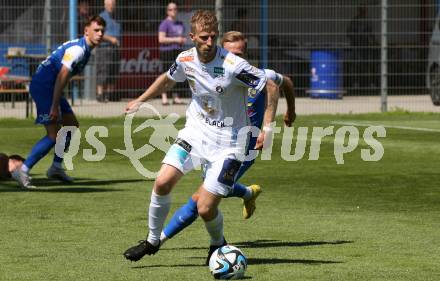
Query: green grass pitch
pixel 315 220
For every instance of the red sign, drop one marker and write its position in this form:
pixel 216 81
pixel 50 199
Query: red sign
pixel 139 65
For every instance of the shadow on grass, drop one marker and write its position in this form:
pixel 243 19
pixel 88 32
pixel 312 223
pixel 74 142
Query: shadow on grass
pixel 260 244
pixel 277 243
pixel 250 262
pixel 80 185
pixel 271 244
pixel 281 261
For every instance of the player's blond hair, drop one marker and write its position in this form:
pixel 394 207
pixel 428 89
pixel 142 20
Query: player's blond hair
pixel 233 36
pixel 206 20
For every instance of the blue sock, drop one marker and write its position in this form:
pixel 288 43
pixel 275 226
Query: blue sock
pixel 182 218
pixel 58 160
pixel 40 149
pixel 238 190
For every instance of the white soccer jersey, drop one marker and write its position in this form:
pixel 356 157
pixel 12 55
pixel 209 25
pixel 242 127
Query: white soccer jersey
pixel 218 109
pixel 274 76
pixel 72 56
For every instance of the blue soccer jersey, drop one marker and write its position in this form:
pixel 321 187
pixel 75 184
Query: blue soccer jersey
pixel 257 102
pixel 74 55
pixel 256 106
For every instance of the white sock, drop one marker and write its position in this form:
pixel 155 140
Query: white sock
pixel 248 194
pixel 215 229
pixel 157 213
pixel 163 238
pixel 25 168
pixel 58 165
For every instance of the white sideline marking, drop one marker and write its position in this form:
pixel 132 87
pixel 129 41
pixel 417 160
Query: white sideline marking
pixel 385 126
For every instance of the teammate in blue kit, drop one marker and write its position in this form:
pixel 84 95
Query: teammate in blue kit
pixel 53 110
pixel 235 42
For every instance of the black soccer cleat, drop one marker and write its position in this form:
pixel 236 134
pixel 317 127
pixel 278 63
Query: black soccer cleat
pixel 137 252
pixel 212 249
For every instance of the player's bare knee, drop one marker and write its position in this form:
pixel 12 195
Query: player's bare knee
pixel 162 186
pixel 206 212
pixel 195 197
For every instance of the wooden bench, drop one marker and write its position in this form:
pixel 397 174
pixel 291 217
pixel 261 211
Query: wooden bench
pixel 15 92
pixel 25 80
pixel 8 81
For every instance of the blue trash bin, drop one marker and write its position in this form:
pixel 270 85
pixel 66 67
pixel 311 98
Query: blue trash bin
pixel 326 74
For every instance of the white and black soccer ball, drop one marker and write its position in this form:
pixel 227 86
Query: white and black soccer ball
pixel 228 262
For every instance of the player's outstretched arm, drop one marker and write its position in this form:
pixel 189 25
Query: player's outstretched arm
pixel 60 83
pixel 289 92
pixel 162 84
pixel 272 96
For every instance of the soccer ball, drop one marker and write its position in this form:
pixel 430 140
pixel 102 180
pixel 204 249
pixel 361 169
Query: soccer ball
pixel 228 262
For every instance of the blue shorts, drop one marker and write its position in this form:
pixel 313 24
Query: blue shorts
pixel 247 164
pixel 256 120
pixel 43 96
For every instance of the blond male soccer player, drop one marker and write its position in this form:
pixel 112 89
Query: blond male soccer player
pixel 235 42
pixel 53 110
pixel 213 134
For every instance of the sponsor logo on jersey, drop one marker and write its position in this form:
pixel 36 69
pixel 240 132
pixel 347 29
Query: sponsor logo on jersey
pixel 219 89
pixel 219 70
pixel 189 70
pixel 209 104
pixel 252 93
pixel 67 57
pixel 200 115
pixel 182 143
pixel 228 172
pixel 231 62
pixel 248 78
pixel 250 111
pixel 254 69
pixel 186 58
pixel 187 52
pixel 215 123
pixel 208 108
pixel 173 68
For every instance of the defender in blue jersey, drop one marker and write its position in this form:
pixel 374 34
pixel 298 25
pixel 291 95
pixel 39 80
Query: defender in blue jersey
pixel 235 43
pixel 53 110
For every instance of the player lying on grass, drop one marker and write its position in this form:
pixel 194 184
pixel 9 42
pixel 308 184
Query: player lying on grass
pixel 9 164
pixel 235 42
pixel 53 110
pixel 219 82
